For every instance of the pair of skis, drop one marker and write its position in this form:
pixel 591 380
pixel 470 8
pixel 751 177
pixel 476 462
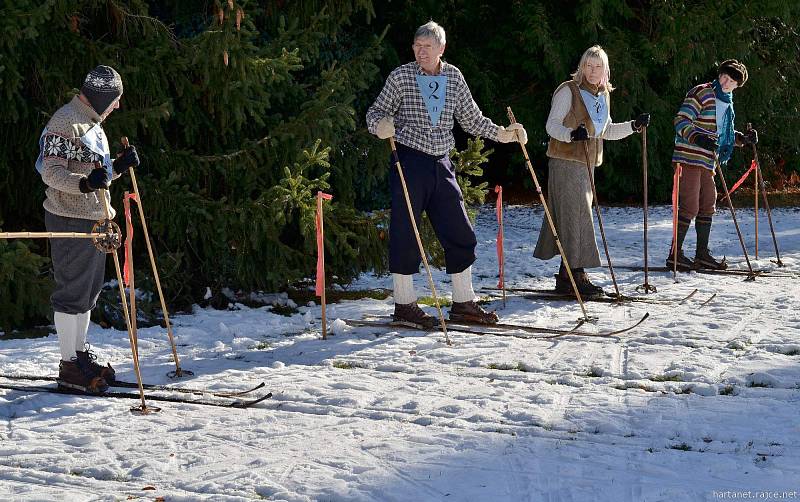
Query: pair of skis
pixel 758 272
pixel 499 329
pixel 549 294
pixel 233 399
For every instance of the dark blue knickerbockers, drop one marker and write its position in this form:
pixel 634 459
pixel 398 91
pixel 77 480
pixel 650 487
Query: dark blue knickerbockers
pixel 432 187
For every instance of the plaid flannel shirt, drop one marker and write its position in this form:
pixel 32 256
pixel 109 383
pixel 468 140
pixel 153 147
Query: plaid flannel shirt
pixel 401 99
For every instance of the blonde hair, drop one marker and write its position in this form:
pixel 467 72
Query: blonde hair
pixel 595 52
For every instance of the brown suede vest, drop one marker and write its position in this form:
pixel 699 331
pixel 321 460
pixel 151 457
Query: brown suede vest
pixel 578 115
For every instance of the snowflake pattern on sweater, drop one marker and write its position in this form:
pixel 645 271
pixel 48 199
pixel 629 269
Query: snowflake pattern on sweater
pixel 65 148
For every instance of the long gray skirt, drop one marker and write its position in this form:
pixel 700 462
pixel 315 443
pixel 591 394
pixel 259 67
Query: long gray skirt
pixel 569 197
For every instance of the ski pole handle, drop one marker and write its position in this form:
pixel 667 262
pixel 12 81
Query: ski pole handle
pixel 510 115
pixel 513 120
pixel 395 156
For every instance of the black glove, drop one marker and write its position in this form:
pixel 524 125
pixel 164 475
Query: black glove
pixel 579 134
pixel 642 120
pixel 97 179
pixel 126 159
pixel 705 142
pixel 751 137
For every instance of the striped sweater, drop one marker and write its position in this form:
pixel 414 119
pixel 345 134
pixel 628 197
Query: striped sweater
pixel 697 115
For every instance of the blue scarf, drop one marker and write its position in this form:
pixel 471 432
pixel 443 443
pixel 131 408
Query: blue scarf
pixel 726 134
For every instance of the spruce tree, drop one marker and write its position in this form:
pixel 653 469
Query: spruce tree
pixel 240 111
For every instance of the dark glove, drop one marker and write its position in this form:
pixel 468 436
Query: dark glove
pixel 126 159
pixel 705 142
pixel 642 120
pixel 751 137
pixel 97 179
pixel 579 134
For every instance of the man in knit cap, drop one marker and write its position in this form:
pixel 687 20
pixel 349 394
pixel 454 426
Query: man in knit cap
pixel 418 105
pixel 705 135
pixel 74 161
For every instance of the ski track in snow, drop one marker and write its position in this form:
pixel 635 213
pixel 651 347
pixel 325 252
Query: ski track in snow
pixel 697 399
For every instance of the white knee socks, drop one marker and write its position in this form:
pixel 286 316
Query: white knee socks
pixel 404 289
pixel 67 329
pixel 462 286
pixel 71 329
pixel 82 324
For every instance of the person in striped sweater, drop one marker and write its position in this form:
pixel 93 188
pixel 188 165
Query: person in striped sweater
pixel 705 135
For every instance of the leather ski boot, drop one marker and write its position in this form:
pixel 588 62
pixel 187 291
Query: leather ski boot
pixel 73 376
pixel 684 263
pixel 704 261
pixel 702 256
pixel 89 358
pixel 563 286
pixel 471 312
pixel 585 286
pixel 409 314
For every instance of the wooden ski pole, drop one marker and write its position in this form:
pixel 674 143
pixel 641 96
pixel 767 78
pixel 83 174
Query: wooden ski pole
pixel 751 276
pixel 600 220
pixel 760 177
pixel 646 287
pixel 501 241
pixel 755 209
pixel 51 235
pixel 675 221
pixel 143 409
pixel 179 372
pixel 552 225
pixel 419 239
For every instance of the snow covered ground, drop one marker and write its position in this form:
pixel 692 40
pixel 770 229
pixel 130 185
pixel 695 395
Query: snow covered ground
pixel 699 403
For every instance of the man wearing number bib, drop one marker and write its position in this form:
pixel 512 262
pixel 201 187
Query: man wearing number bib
pixel 418 105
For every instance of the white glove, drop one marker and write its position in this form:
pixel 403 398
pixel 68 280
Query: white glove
pixel 514 132
pixel 385 128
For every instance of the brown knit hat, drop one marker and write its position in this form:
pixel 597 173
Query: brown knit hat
pixel 735 70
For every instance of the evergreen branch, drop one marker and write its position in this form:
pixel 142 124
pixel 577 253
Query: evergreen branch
pixel 152 20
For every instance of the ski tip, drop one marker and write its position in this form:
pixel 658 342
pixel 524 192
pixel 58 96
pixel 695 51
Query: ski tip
pixel 248 404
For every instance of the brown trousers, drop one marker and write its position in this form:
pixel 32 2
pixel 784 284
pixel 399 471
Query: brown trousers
pixel 698 193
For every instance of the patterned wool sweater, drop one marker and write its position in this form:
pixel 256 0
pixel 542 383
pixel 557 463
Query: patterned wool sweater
pixel 401 99
pixel 697 115
pixel 66 160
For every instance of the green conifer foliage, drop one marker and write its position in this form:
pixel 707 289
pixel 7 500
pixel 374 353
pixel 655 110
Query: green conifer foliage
pixel 240 111
pixel 516 53
pixel 24 288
